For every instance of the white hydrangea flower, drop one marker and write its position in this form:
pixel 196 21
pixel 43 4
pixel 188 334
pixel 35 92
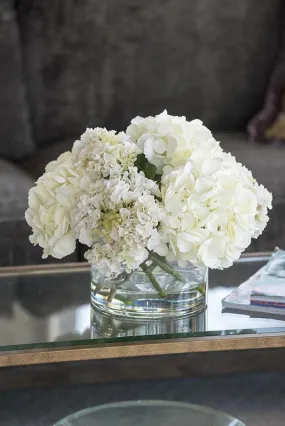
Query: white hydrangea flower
pixel 213 209
pixel 167 140
pixel 206 210
pixel 50 202
pixel 104 153
pixel 264 201
pixel 117 218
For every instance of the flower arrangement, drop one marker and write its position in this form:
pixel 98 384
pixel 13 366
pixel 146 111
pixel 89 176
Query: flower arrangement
pixel 162 191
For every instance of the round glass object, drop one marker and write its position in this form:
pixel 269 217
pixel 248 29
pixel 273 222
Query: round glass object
pixel 146 413
pixel 136 296
pixel 110 326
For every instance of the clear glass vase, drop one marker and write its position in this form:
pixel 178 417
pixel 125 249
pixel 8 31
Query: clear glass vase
pixel 109 326
pixel 136 296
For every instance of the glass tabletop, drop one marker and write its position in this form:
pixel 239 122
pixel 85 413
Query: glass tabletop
pixel 49 306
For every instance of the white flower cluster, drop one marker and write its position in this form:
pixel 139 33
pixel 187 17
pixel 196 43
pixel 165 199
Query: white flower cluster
pixel 118 218
pixel 171 141
pixel 198 204
pixel 213 206
pixel 50 204
pixel 103 153
pixel 211 218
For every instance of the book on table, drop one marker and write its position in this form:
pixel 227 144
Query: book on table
pixel 264 291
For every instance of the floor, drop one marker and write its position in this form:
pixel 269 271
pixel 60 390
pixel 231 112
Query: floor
pixel 256 399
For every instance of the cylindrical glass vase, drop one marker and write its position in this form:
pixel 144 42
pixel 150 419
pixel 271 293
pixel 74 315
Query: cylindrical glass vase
pixel 110 326
pixel 134 296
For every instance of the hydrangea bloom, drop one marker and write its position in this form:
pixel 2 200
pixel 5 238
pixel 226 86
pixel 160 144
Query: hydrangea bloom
pixel 167 140
pixel 50 203
pixel 165 187
pixel 117 218
pixel 102 153
pixel 211 218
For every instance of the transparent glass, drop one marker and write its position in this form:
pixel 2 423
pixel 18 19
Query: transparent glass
pixel 48 306
pixel 146 413
pixel 110 326
pixel 134 296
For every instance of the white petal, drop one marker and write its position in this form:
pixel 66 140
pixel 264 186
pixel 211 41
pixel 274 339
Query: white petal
pixel 188 168
pixel 161 249
pixel 183 243
pixel 148 149
pixel 160 146
pixel 211 166
pixel 175 206
pixel 64 247
pixel 84 238
pixel 204 184
pixel 171 145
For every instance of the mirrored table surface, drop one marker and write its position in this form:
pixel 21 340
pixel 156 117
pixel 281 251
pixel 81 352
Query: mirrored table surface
pixel 46 316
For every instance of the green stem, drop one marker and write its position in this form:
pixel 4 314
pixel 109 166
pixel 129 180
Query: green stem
pixel 96 289
pixel 123 299
pixel 153 280
pixel 152 266
pixel 122 278
pixel 111 294
pixel 201 289
pixel 165 266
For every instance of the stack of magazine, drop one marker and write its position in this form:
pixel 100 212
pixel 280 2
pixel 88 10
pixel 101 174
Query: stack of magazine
pixel 263 292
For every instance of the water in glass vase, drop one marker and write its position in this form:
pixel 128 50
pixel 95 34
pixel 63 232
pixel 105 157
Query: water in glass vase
pixel 135 296
pixel 111 326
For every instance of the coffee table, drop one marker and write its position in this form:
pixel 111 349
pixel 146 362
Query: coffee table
pixel 49 334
